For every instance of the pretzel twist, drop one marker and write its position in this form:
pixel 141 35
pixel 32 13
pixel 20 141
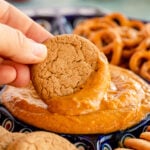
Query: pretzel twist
pixel 135 24
pixel 87 27
pixel 145 70
pixel 139 45
pixel 109 42
pixel 146 30
pixel 118 18
pixel 139 63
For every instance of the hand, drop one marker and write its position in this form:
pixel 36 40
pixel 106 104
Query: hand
pixel 20 39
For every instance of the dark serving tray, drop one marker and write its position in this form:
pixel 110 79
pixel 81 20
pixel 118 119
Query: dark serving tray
pixel 63 21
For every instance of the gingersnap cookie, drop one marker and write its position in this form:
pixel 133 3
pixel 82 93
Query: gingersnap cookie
pixel 8 138
pixel 74 71
pixel 41 140
pixel 3 131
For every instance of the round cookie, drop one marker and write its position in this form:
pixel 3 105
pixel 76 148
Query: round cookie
pixel 41 140
pixel 8 138
pixel 70 61
pixel 75 71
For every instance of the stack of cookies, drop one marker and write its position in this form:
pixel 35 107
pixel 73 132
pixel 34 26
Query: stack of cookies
pixel 39 140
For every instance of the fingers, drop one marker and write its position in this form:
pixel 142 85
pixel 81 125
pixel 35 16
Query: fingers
pixel 14 74
pixel 15 18
pixel 138 144
pixel 7 74
pixel 15 46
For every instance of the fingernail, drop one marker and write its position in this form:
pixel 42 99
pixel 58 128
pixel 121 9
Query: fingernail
pixel 39 50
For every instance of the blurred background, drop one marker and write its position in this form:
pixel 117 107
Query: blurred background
pixel 133 8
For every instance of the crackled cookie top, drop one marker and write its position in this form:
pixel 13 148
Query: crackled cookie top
pixel 71 60
pixel 41 140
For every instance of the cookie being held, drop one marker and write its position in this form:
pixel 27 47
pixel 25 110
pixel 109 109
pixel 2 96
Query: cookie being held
pixel 75 71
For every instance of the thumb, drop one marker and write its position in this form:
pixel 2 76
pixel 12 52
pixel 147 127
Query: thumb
pixel 17 47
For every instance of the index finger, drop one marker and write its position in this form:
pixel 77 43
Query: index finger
pixel 15 18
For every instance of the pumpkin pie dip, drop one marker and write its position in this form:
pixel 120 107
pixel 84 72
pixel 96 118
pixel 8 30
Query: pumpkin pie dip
pixel 109 98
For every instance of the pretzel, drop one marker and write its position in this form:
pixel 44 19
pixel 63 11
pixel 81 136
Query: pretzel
pixel 129 36
pixel 127 52
pixel 145 135
pixel 99 21
pixel 87 27
pixel 135 24
pixel 137 144
pixel 82 30
pixel 146 30
pixel 145 70
pixel 110 43
pixel 118 18
pixel 137 61
pixel 135 45
pixel 143 46
pixel 148 128
pixel 142 143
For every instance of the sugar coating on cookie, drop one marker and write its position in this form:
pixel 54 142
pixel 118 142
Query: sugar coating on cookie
pixel 71 60
pixel 41 140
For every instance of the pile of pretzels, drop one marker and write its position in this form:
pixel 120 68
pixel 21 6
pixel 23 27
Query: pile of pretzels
pixel 125 42
pixel 141 143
